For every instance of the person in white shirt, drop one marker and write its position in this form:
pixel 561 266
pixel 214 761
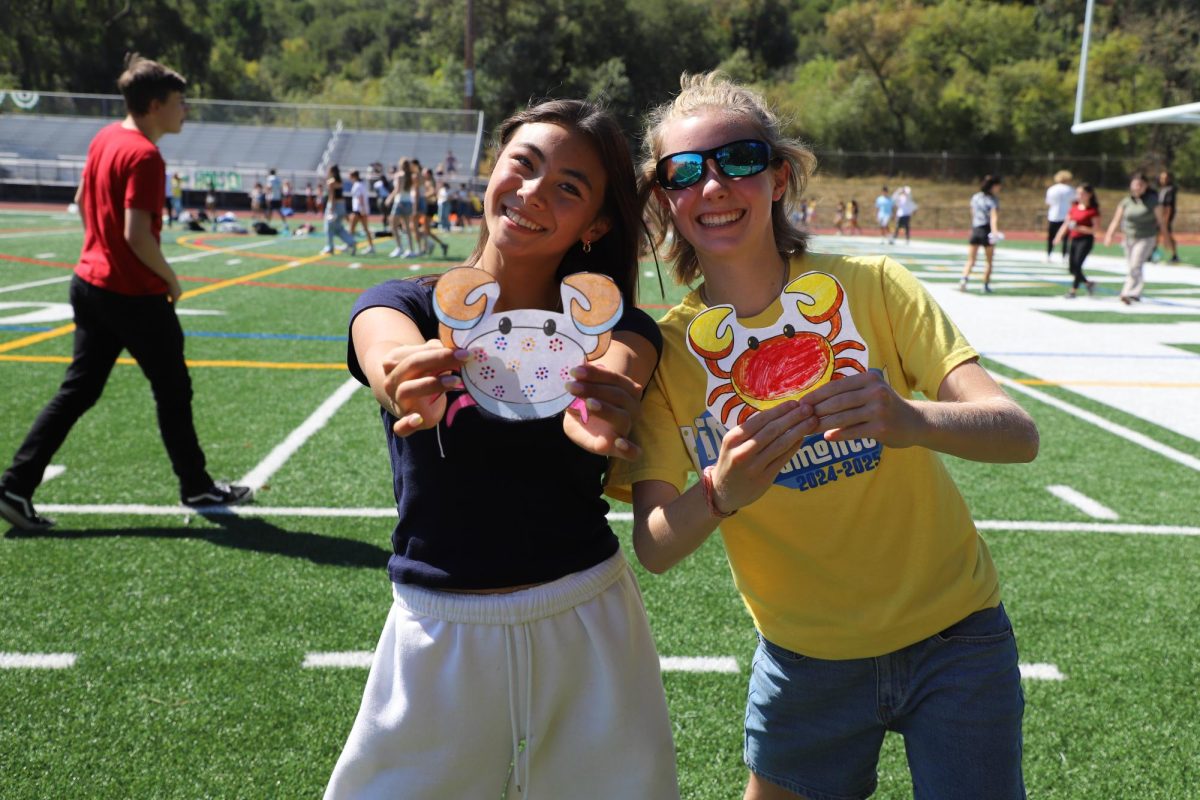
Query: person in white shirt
pixel 360 209
pixel 1059 198
pixel 273 203
pixel 905 206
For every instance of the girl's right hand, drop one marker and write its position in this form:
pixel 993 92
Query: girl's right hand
pixel 416 379
pixel 753 453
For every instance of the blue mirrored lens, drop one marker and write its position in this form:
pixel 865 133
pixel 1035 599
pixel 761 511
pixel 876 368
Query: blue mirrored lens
pixel 742 158
pixel 685 169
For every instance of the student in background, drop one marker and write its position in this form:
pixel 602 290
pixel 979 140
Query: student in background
pixel 985 230
pixel 1166 214
pixel 1080 231
pixel 1059 199
pixel 1137 217
pixel 335 212
pixel 123 294
pixel 360 209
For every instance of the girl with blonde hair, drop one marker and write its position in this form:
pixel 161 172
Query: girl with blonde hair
pixel 787 386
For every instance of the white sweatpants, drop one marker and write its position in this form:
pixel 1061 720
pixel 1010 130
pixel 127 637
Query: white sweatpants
pixel 550 692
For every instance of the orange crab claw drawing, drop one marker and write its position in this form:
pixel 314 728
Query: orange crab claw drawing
pixel 783 362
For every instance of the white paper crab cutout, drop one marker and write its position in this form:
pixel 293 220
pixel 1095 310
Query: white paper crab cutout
pixel 753 369
pixel 521 359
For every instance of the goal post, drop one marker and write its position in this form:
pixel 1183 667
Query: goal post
pixel 1188 113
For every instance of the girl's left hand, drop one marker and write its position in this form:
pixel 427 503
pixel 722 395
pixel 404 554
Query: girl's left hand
pixel 612 400
pixel 864 406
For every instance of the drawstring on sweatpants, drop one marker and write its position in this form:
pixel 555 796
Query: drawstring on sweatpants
pixel 514 723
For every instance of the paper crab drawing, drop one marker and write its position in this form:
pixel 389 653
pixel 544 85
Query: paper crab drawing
pixel 521 359
pixel 753 369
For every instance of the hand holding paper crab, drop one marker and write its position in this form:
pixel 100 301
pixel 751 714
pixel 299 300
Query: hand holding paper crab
pixel 754 369
pixel 521 360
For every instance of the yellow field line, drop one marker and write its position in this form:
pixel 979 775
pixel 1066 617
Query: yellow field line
pixel 253 276
pixel 190 363
pixel 1129 384
pixel 17 344
pixel 36 338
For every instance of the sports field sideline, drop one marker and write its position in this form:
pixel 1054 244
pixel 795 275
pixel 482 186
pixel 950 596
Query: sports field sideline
pixel 145 650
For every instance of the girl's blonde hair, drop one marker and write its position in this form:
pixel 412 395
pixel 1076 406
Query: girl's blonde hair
pixel 716 92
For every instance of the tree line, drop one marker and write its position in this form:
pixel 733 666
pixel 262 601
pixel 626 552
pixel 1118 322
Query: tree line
pixel 965 76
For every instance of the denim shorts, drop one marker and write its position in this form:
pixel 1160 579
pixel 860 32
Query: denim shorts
pixel 815 727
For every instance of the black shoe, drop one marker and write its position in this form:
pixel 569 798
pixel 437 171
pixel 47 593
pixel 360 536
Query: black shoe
pixel 445 250
pixel 19 511
pixel 220 494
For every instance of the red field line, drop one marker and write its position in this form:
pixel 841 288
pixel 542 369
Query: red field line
pixel 40 262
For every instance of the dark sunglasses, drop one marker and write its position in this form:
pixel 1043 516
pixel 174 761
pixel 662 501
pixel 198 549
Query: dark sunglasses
pixel 739 159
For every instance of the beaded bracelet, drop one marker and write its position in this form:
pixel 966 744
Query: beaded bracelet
pixel 706 482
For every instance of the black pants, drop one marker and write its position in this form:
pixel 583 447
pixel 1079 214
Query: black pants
pixel 1080 247
pixel 106 323
pixel 1051 232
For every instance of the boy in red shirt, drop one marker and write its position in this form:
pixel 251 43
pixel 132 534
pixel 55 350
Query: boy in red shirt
pixel 123 294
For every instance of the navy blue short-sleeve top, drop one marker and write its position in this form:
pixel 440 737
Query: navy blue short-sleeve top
pixel 485 503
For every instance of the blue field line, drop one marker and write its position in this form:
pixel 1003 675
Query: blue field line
pixel 201 334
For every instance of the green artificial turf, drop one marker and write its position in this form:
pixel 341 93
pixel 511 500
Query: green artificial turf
pixel 190 631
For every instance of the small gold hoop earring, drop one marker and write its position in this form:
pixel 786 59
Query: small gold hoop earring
pixel 587 246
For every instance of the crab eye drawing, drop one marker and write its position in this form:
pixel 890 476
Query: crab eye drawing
pixel 752 343
pixel 789 331
pixel 505 325
pixel 549 328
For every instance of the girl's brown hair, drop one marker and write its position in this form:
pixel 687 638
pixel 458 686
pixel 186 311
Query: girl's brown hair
pixel 716 92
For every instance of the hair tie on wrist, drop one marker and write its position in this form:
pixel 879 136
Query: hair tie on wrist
pixel 706 482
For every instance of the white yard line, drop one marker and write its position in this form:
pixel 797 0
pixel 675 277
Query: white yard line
pixel 1041 672
pixel 1106 425
pixel 52 471
pixel 723 665
pixel 262 473
pixel 361 659
pixel 143 510
pixel 1086 527
pixel 1079 500
pixel 37 660
pixel 218 252
pixel 345 659
pixel 50 232
pixel 251 511
pixel 16 287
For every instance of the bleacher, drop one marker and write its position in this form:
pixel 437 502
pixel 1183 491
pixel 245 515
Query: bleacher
pixel 227 146
pixel 47 137
pixel 360 148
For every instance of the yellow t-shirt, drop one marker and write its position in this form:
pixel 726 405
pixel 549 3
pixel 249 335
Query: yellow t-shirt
pixel 857 549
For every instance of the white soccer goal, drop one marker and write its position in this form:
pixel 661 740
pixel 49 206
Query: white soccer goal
pixel 1187 113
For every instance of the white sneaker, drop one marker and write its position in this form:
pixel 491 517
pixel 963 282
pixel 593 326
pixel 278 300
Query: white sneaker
pixel 370 251
pixel 395 253
pixel 409 254
pixel 326 251
pixel 962 285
